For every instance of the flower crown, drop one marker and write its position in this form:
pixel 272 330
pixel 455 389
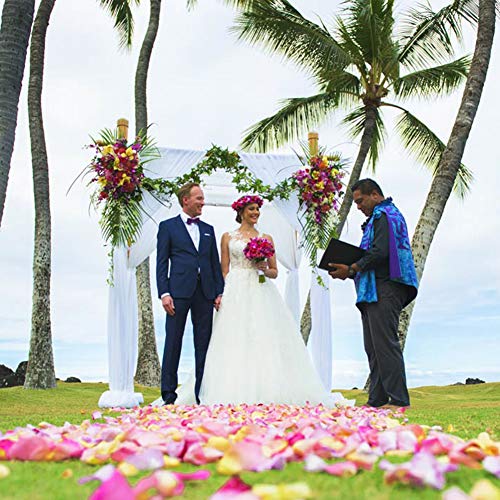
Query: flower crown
pixel 242 202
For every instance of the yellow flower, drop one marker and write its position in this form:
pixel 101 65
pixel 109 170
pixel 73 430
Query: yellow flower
pixel 107 150
pixel 128 469
pixel 294 491
pixel 320 185
pixel 315 175
pixel 130 152
pixel 124 179
pixel 102 181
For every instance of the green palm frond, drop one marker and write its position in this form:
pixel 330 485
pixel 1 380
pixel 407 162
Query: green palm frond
pixel 427 148
pixel 376 19
pixel 290 122
pixel 238 4
pixel 316 236
pixel 427 36
pixel 281 29
pixel 342 84
pixel 350 46
pixel 355 123
pixel 440 80
pixel 121 223
pixel 121 12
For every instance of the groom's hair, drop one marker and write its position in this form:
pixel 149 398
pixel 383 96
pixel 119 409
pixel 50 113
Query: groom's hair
pixel 185 191
pixel 366 186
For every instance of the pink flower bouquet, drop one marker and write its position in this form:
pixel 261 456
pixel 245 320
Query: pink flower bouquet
pixel 257 250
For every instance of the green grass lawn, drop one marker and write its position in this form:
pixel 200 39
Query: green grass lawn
pixel 468 409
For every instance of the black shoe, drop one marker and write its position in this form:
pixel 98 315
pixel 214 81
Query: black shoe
pixel 393 402
pixel 376 404
pixel 169 399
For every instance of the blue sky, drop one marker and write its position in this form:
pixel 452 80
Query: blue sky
pixel 206 88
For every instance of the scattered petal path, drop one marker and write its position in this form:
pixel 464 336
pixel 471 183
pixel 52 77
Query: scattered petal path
pixel 341 441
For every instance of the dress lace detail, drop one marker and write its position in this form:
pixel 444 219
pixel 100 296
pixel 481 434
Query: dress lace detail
pixel 237 258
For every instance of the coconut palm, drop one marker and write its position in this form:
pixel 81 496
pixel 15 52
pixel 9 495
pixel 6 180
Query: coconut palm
pixel 148 369
pixel 17 18
pixel 148 366
pixel 449 163
pixel 40 371
pixel 362 65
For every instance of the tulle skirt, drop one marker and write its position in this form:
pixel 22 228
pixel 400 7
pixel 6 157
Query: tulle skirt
pixel 256 353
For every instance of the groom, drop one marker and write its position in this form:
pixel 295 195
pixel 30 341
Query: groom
pixel 189 278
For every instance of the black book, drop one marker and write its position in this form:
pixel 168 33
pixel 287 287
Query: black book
pixel 340 252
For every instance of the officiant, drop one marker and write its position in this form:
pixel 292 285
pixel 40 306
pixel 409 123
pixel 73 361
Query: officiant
pixel 386 282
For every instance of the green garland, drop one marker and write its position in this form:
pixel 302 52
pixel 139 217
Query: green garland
pixel 217 158
pixel 121 217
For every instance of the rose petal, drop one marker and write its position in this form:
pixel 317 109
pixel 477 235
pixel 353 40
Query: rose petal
pixel 492 464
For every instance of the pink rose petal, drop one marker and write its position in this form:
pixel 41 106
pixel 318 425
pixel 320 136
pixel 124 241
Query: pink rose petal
pixel 492 464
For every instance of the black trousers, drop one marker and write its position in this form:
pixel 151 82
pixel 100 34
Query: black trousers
pixel 202 316
pixel 380 333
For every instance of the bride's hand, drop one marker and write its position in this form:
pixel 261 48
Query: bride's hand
pixel 262 265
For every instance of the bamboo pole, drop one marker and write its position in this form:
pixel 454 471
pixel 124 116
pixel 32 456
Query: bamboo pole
pixel 122 125
pixel 313 138
pixel 306 320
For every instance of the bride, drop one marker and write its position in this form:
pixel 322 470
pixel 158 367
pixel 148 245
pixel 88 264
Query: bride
pixel 256 353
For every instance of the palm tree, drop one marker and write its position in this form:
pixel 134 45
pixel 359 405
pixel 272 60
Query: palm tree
pixel 40 371
pixel 450 161
pixel 357 67
pixel 148 369
pixel 148 365
pixel 17 18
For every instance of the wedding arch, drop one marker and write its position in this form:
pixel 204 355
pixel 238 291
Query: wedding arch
pixel 281 218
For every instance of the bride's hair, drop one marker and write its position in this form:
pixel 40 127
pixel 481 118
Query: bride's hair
pixel 240 204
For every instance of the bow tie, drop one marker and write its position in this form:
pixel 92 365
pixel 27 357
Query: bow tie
pixel 194 220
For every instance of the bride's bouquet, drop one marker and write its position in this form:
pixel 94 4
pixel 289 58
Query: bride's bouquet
pixel 257 250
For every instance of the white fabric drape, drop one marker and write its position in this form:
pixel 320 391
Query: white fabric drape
pixel 122 336
pixel 280 220
pixel 320 339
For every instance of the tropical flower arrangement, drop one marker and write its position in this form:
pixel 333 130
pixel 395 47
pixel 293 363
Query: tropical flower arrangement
pixel 117 171
pixel 320 190
pixel 320 186
pixel 257 250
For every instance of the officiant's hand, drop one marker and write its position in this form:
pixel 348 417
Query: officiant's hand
pixel 168 304
pixel 217 302
pixel 340 271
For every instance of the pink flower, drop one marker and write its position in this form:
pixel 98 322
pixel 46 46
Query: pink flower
pixel 422 470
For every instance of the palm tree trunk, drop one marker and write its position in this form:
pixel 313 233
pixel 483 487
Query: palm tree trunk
pixel 345 207
pixel 40 372
pixel 450 161
pixel 17 18
pixel 148 364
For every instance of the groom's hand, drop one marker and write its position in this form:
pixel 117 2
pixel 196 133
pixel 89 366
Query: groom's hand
pixel 339 271
pixel 217 302
pixel 168 304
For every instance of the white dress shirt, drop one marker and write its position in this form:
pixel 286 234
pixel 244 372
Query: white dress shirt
pixel 192 229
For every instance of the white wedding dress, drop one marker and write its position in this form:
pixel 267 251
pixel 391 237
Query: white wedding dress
pixel 256 353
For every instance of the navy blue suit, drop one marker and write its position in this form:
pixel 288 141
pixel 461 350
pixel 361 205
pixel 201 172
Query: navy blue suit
pixel 193 277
